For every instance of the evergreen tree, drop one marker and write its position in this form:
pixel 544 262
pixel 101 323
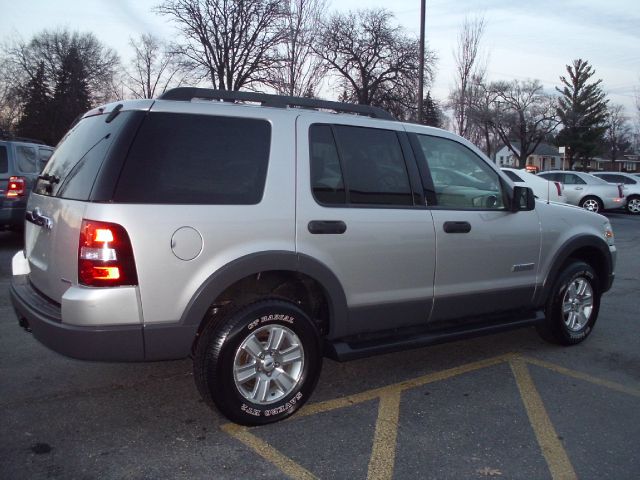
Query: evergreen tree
pixel 71 94
pixel 431 112
pixel 582 110
pixel 35 122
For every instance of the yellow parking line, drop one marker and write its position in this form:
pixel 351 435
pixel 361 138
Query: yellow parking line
pixel 383 452
pixel 552 449
pixel 583 376
pixel 266 451
pixel 350 400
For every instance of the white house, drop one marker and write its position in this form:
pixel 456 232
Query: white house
pixel 545 157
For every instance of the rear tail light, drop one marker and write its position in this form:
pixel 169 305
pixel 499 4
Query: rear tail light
pixel 16 187
pixel 105 256
pixel 558 188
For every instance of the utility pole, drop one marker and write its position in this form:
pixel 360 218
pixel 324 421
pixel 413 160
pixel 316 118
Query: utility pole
pixel 421 62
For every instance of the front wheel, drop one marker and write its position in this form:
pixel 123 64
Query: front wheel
pixel 633 205
pixel 593 204
pixel 259 365
pixel 572 308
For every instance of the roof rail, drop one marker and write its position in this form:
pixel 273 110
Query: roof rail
pixel 277 101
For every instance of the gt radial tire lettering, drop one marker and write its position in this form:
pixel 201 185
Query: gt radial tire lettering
pixel 251 411
pixel 283 408
pixel 271 318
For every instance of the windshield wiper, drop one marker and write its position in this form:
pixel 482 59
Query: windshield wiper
pixel 49 178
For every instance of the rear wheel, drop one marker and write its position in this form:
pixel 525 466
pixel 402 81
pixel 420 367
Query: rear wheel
pixel 593 204
pixel 260 364
pixel 572 308
pixel 633 205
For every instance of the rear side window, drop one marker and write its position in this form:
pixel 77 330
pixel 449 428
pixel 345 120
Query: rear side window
pixel 571 179
pixel 358 165
pixel 513 176
pixel 196 159
pixel 4 161
pixel 26 159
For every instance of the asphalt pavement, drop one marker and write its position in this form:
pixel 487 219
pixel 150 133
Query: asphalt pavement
pixel 503 406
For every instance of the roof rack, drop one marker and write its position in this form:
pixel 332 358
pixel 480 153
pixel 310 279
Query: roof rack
pixel 12 138
pixel 277 101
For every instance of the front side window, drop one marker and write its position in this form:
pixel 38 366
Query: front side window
pixel 358 165
pixel 462 180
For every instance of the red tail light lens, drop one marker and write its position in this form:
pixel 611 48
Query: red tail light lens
pixel 105 256
pixel 16 187
pixel 558 187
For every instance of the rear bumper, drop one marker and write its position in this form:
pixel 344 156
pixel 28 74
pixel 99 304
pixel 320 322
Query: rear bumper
pixel 12 212
pixel 43 318
pixel 124 343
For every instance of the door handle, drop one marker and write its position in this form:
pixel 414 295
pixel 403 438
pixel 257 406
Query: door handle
pixel 578 188
pixel 326 227
pixel 457 227
pixel 35 216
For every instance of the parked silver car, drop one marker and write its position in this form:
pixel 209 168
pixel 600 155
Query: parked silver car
pixel 586 191
pixel 549 190
pixel 257 236
pixel 630 186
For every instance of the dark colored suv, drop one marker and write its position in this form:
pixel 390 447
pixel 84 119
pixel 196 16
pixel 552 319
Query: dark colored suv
pixel 21 160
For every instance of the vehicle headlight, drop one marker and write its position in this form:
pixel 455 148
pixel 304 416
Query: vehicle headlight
pixel 608 234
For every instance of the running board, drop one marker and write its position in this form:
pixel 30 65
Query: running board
pixel 344 350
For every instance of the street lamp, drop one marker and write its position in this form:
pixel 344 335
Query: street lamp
pixel 421 62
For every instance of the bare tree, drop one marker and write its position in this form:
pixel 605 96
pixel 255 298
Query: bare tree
pixel 53 47
pixel 480 116
pixel 470 73
pixel 376 62
pixel 233 42
pixel 522 116
pixel 154 68
pixel 300 70
pixel 617 138
pixel 10 101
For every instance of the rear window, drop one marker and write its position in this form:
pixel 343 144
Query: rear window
pixel 196 159
pixel 76 161
pixel 26 159
pixel 4 160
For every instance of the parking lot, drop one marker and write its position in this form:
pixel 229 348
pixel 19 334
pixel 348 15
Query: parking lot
pixel 503 406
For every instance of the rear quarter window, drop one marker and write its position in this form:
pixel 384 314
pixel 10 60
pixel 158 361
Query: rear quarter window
pixel 196 159
pixel 4 160
pixel 26 159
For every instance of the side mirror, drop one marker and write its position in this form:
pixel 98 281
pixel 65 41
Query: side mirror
pixel 522 199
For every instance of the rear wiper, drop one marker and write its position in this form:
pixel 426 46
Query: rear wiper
pixel 49 178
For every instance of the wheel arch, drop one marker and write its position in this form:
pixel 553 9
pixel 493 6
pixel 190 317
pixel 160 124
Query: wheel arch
pixel 589 249
pixel 275 270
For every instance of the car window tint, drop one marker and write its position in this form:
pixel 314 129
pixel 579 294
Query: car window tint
pixel 572 179
pixel 461 179
pixel 374 166
pixel 513 176
pixel 71 156
pixel 196 159
pixel 26 159
pixel 326 173
pixel 4 160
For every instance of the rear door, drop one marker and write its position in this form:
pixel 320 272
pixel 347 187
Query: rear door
pixel 359 214
pixel 487 256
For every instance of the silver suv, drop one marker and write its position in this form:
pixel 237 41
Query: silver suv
pixel 259 233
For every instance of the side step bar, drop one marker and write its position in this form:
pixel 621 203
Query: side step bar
pixel 343 350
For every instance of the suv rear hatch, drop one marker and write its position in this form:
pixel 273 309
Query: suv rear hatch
pixel 84 168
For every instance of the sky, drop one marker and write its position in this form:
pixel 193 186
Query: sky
pixel 532 39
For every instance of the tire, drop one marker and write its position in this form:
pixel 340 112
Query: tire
pixel 250 381
pixel 633 205
pixel 572 308
pixel 593 204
